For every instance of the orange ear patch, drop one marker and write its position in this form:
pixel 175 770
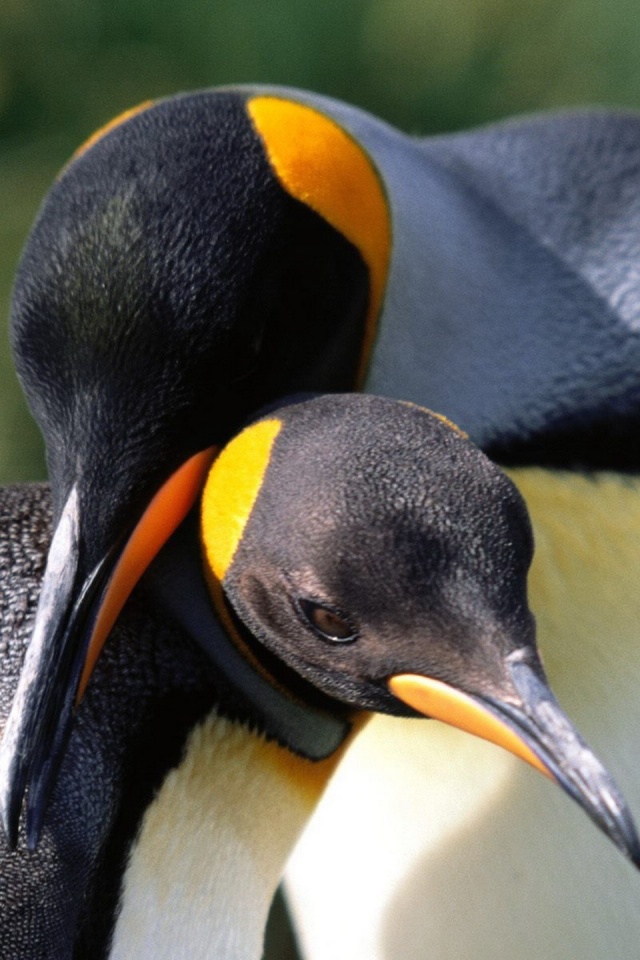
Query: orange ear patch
pixel 322 166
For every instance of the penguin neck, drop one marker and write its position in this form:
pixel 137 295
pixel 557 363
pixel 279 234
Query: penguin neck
pixel 213 845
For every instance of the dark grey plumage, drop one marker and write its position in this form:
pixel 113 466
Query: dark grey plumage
pixel 62 897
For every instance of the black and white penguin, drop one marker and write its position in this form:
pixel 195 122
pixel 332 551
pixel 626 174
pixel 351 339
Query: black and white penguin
pixel 214 252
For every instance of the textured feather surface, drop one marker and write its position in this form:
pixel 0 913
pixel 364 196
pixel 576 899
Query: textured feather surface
pixel 60 900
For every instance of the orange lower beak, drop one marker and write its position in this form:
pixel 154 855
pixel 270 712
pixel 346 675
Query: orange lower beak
pixel 442 702
pixel 530 724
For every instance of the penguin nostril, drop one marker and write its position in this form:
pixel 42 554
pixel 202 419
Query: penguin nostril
pixel 326 622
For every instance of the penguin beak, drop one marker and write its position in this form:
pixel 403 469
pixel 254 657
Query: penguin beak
pixel 73 620
pixel 529 723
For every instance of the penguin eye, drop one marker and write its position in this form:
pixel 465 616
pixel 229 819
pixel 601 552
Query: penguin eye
pixel 326 622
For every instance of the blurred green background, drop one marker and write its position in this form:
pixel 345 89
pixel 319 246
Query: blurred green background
pixel 67 66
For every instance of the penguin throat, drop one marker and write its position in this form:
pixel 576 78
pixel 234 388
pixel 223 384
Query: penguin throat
pixel 278 673
pixel 252 689
pixel 284 706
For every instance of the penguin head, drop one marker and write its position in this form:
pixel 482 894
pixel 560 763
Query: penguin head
pixel 159 298
pixel 368 545
pixel 380 541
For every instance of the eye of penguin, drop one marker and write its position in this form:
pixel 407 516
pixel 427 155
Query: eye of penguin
pixel 326 622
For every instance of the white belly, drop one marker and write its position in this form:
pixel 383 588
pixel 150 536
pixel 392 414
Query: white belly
pixel 212 848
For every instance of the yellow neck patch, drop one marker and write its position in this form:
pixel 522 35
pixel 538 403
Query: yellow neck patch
pixel 231 490
pixel 322 166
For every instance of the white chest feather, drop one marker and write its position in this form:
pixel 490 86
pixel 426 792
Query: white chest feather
pixel 212 848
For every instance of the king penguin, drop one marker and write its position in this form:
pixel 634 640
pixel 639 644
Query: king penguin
pixel 206 255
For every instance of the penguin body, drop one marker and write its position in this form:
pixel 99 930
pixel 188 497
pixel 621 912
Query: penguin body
pixel 532 348
pixel 221 239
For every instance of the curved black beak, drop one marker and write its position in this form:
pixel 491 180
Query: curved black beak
pixel 43 702
pixel 74 617
pixel 529 722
